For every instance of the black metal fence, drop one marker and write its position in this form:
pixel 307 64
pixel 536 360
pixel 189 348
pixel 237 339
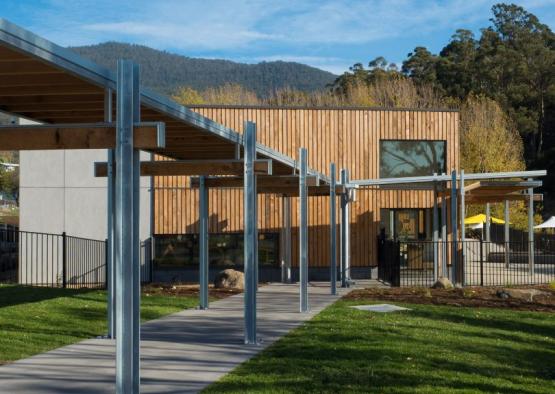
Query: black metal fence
pixel 510 263
pixel 59 260
pixel 412 263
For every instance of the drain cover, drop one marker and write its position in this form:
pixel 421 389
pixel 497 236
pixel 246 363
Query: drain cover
pixel 382 308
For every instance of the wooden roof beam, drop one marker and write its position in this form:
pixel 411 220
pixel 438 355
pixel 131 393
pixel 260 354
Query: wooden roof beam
pixel 192 168
pixel 501 198
pixel 277 182
pixel 146 135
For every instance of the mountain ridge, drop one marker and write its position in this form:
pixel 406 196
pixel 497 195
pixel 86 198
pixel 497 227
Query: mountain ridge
pixel 166 72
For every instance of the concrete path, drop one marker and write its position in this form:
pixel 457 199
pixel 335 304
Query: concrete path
pixel 180 353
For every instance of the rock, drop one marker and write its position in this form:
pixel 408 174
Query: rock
pixel 443 283
pixel 229 279
pixel 520 294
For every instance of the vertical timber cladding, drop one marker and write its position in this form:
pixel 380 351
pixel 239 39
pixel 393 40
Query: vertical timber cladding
pixel 348 137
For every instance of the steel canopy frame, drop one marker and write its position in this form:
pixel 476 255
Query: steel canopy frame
pixel 360 183
pixel 26 42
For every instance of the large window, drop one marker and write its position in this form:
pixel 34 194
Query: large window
pixel 225 250
pixel 402 158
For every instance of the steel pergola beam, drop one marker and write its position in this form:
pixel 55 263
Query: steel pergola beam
pixel 250 233
pixel 110 265
pixel 126 223
pixel 303 231
pixel 192 168
pixel 333 232
pixel 203 245
pixel 357 183
pixel 146 135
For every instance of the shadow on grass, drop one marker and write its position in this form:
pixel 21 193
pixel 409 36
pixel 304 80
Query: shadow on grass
pixel 16 295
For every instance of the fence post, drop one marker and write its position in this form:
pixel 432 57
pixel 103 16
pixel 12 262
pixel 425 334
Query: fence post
pixel 106 251
pixel 64 259
pixel 151 260
pixel 481 262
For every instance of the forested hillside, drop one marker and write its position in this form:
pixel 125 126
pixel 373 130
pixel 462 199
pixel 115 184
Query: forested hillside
pixel 166 72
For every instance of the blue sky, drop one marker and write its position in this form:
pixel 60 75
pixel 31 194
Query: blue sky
pixel 329 34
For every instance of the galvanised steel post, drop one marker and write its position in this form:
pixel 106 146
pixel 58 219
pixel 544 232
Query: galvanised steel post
pixel 333 232
pixel 488 222
pixel 435 232
pixel 203 243
pixel 454 224
pixel 531 249
pixel 444 235
pixel 344 231
pixel 124 240
pixel 110 266
pixel 250 233
pixel 303 231
pixel 461 267
pixel 507 233
pixel 286 240
pixel 136 237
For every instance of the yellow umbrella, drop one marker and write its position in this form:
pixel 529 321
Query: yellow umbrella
pixel 481 218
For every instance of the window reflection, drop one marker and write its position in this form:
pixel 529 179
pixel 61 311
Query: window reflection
pixel 403 158
pixel 225 250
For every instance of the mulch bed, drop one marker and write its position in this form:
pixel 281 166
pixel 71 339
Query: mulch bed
pixel 468 296
pixel 186 290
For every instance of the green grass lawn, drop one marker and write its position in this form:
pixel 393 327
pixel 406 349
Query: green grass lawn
pixel 34 320
pixel 430 349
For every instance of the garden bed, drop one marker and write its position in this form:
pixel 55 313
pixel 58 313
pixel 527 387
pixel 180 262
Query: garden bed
pixel 467 296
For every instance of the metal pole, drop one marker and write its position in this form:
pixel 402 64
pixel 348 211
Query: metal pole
pixel 333 232
pixel 454 223
pixel 348 233
pixel 250 232
pixel 203 243
pixel 64 260
pixel 461 266
pixel 488 222
pixel 444 235
pixel 303 231
pixel 110 266
pixel 136 236
pixel 152 254
pixel 287 238
pixel 127 381
pixel 435 233
pixel 507 233
pixel 343 230
pixel 531 249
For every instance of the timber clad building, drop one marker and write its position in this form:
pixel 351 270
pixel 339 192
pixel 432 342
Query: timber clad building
pixel 370 143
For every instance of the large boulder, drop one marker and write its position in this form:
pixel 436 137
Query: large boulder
pixel 519 294
pixel 443 283
pixel 229 279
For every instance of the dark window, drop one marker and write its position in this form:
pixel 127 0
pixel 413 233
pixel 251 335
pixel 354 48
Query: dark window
pixel 225 250
pixel 402 158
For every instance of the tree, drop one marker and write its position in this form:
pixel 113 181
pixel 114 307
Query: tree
pixel 421 66
pixel 517 63
pixel 187 95
pixel 491 143
pixel 456 65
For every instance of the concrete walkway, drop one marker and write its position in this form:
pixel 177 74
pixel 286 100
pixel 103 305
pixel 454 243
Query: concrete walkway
pixel 180 353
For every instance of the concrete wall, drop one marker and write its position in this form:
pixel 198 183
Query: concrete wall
pixel 58 193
